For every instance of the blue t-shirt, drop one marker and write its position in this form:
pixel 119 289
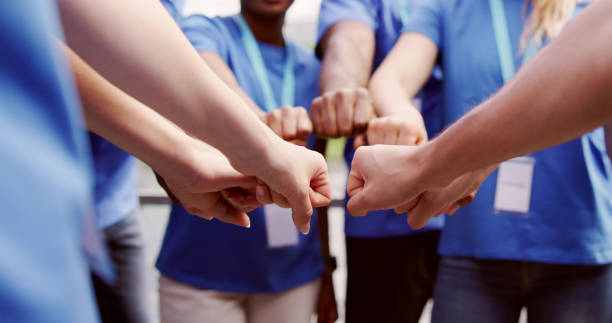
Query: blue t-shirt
pixel 386 18
pixel 174 8
pixel 221 256
pixel 115 181
pixel 570 215
pixel 46 173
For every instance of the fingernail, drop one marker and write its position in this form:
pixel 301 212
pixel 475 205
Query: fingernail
pixel 248 226
pixel 305 228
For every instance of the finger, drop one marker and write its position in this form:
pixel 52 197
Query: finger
pixel 453 208
pixel 345 101
pixel 280 200
pixel 304 125
pixel 375 133
pixel 427 207
pixel 299 142
pixel 320 190
pixel 274 121
pixel 301 210
pixel 315 115
pixel 364 110
pixel 407 207
pixel 328 116
pixel 225 213
pixel 406 138
pixel 262 192
pixel 360 140
pixel 288 123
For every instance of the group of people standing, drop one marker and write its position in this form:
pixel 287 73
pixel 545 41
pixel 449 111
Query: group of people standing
pixel 384 72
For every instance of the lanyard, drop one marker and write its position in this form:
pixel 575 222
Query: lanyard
pixel 502 38
pixel 404 10
pixel 256 59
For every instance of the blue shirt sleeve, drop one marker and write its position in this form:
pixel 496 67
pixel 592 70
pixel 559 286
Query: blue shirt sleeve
pixel 333 11
pixel 426 18
pixel 205 34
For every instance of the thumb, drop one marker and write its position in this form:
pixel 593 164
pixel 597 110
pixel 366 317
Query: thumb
pixel 360 203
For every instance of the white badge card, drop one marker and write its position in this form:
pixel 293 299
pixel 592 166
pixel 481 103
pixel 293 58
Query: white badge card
pixel 279 227
pixel 514 179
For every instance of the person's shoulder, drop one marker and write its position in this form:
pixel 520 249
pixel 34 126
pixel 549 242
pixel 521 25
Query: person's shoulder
pixel 200 21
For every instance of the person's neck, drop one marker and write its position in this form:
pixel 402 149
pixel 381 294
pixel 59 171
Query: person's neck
pixel 267 30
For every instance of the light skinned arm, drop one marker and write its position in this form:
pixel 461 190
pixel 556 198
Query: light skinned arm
pixel 562 92
pixel 290 123
pixel 195 172
pixel 344 107
pixel 393 87
pixel 138 47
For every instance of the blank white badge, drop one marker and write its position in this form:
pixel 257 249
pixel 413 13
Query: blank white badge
pixel 279 227
pixel 513 191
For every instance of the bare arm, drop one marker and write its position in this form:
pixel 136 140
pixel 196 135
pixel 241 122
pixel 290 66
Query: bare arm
pixel 393 86
pixel 563 92
pixel 180 159
pixel 344 107
pixel 403 73
pixel 218 65
pixel 137 46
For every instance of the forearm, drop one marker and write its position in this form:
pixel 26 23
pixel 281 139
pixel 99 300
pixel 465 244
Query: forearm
pixel 402 74
pixel 119 118
pixel 563 92
pixel 348 51
pixel 137 46
pixel 216 63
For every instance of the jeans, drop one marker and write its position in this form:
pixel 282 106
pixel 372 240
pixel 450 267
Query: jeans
pixel 390 279
pixel 126 301
pixel 494 291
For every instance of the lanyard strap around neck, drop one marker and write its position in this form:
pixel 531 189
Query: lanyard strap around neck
pixel 404 11
pixel 256 59
pixel 502 39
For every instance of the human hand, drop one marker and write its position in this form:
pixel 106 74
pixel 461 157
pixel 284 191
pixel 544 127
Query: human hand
pixel 447 200
pixel 402 127
pixel 295 177
pixel 290 123
pixel 341 113
pixel 383 177
pixel 209 187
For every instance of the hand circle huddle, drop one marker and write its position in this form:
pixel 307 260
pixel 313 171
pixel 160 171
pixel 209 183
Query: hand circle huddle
pixel 294 177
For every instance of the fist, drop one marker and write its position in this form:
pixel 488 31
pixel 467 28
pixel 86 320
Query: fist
pixel 341 113
pixel 290 123
pixel 404 127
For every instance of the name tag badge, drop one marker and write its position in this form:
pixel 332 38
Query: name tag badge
pixel 279 227
pixel 513 190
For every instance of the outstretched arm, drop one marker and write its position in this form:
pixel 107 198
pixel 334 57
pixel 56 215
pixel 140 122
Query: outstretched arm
pixel 137 46
pixel 562 92
pixel 195 172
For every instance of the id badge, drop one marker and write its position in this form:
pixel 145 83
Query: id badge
pixel 279 227
pixel 513 190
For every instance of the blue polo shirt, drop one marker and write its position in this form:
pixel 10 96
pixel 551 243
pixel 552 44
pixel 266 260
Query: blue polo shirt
pixel 174 8
pixel 45 170
pixel 115 191
pixel 221 256
pixel 570 214
pixel 386 18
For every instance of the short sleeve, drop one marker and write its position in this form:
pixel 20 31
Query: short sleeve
pixel 333 11
pixel 206 34
pixel 426 18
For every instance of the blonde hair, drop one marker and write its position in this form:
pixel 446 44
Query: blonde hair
pixel 546 20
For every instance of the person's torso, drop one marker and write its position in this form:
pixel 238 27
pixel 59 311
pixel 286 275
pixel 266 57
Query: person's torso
pixel 570 212
pixel 215 255
pixel 46 174
pixel 115 181
pixel 385 17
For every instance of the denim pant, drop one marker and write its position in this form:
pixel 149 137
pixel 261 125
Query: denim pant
pixel 494 291
pixel 390 279
pixel 127 300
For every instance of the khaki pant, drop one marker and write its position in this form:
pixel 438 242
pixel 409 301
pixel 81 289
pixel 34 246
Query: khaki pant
pixel 181 303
